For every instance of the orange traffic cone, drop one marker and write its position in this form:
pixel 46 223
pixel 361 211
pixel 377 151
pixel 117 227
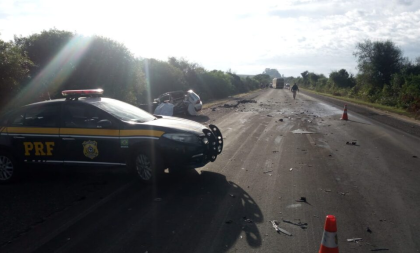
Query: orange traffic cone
pixel 344 117
pixel 329 243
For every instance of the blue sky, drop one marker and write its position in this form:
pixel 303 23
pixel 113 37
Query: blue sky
pixel 244 36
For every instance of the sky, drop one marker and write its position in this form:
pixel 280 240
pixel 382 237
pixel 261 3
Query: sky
pixel 242 36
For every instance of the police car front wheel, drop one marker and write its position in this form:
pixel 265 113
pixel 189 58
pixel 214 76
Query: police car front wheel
pixel 147 165
pixel 7 168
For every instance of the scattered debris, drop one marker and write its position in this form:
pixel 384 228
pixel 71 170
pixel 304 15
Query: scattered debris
pixel 327 190
pixel 248 220
pixel 244 101
pixel 291 169
pixel 299 224
pixel 300 131
pixel 229 105
pixel 278 229
pixel 302 199
pixel 275 151
pixel 368 230
pixel 267 171
pixel 213 109
pixel 268 115
pixel 354 239
pixel 354 143
pixel 157 199
pixel 281 120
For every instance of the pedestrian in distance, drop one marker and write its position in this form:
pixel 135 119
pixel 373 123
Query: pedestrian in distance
pixel 294 89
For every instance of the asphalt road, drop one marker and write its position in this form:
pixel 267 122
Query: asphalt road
pixel 372 188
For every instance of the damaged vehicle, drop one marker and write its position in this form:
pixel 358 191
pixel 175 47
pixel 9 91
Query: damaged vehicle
pixel 178 102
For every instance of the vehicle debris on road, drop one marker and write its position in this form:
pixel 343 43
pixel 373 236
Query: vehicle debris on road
pixel 278 229
pixel 354 143
pixel 354 239
pixel 302 199
pixel 247 220
pixel 299 224
pixel 267 171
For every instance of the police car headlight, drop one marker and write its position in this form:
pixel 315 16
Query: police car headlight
pixel 186 138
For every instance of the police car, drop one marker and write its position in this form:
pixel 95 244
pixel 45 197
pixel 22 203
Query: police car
pixel 85 128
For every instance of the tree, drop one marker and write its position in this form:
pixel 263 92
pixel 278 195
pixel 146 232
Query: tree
pixel 273 73
pixel 14 69
pixel 162 77
pixel 43 47
pixel 67 61
pixel 342 79
pixel 263 78
pixel 378 61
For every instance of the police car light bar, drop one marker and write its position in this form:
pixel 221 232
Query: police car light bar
pixel 82 93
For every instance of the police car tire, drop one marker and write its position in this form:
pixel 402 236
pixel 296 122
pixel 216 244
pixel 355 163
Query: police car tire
pixel 7 158
pixel 141 158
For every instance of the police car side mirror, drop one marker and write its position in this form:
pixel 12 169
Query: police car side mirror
pixel 103 123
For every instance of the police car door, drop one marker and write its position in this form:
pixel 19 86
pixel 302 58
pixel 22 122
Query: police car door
pixel 34 133
pixel 89 135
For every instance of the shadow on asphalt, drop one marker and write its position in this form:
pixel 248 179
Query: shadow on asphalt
pixel 205 208
pixel 183 212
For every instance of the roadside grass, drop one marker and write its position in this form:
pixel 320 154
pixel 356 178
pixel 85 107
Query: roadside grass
pixel 214 102
pixel 372 105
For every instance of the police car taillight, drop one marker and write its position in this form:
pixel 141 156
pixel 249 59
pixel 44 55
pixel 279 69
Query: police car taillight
pixel 82 93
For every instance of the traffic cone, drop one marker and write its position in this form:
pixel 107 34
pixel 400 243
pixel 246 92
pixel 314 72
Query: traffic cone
pixel 344 117
pixel 329 243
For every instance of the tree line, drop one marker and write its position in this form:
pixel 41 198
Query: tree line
pixel 40 66
pixel 385 77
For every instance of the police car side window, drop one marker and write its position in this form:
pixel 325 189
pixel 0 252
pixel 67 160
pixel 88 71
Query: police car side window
pixel 42 116
pixel 84 116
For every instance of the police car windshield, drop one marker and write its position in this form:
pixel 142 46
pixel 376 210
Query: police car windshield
pixel 123 111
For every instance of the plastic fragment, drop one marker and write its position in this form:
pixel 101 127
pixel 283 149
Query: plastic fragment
pixel 354 239
pixel 278 229
pixel 302 199
pixel 299 224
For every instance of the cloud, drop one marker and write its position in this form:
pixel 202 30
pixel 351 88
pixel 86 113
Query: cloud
pixel 405 2
pixel 246 36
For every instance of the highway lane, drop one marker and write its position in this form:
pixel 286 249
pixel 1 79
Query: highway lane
pixel 227 206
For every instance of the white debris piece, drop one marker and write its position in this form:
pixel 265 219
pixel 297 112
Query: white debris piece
pixel 165 109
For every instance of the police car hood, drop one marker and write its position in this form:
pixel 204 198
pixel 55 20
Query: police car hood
pixel 178 123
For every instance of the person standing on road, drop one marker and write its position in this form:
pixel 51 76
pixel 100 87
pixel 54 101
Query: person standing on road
pixel 294 89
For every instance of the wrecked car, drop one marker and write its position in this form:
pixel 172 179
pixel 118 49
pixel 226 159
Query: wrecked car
pixel 176 103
